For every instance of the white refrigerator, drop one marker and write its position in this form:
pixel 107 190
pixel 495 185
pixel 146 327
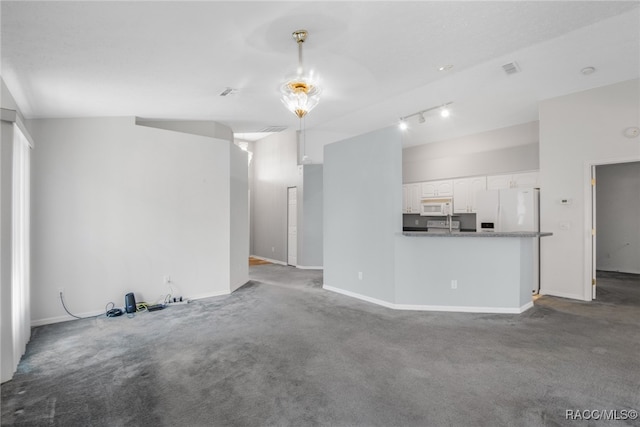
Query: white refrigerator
pixel 509 210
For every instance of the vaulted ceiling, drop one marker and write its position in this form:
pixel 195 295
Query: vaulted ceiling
pixel 377 61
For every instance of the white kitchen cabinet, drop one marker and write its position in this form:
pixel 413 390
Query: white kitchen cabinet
pixel 405 198
pixel 498 182
pixel 515 180
pixel 526 180
pixel 437 188
pixel 465 191
pixel 411 198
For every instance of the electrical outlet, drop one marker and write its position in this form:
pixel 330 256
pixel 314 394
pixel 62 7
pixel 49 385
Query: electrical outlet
pixel 167 279
pixel 273 248
pixel 60 291
pixel 359 275
pixel 454 284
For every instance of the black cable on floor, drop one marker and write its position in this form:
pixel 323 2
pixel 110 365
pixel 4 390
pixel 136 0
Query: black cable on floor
pixel 65 308
pixel 78 317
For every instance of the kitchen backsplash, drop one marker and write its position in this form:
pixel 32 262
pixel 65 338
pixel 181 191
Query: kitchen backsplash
pixel 467 221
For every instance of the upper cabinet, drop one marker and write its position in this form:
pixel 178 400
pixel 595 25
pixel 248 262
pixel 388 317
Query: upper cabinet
pixel 465 191
pixel 515 180
pixel 411 198
pixel 437 188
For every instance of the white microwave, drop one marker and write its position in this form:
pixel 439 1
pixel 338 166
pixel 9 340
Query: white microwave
pixel 436 207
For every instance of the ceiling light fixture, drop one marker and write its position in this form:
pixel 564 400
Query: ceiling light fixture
pixel 444 112
pixel 445 67
pixel 301 93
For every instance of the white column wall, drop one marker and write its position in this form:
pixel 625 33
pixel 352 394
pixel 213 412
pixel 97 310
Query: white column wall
pixel 239 218
pixel 7 364
pixel 362 188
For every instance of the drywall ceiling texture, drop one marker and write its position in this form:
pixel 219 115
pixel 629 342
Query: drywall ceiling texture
pixel 117 207
pixel 59 57
pixel 577 131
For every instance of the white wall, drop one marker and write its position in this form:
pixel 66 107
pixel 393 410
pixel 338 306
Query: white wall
pixel 239 218
pixel 315 142
pixel 510 149
pixel 310 230
pixel 618 217
pixel 7 364
pixel 116 207
pixel 275 168
pixel 576 131
pixel 9 347
pixel 362 212
pixel 194 127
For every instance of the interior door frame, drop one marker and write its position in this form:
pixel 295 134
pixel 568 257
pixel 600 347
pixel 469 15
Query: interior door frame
pixel 589 274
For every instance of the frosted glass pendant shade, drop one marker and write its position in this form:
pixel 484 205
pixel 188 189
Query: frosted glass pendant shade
pixel 301 93
pixel 300 96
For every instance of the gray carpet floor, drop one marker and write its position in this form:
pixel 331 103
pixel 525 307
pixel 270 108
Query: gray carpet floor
pixel 281 351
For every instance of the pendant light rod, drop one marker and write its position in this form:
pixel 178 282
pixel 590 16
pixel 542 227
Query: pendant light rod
pixel 300 36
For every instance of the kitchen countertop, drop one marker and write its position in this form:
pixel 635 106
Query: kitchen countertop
pixel 476 234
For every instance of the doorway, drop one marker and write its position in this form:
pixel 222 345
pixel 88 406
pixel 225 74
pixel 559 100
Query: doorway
pixel 292 226
pixel 614 245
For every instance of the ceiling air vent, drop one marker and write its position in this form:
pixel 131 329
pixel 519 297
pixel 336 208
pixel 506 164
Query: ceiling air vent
pixel 228 91
pixel 272 129
pixel 511 68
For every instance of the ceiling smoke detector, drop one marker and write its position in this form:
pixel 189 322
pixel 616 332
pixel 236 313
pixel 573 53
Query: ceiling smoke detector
pixel 588 70
pixel 511 68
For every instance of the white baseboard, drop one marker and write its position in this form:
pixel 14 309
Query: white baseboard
pixel 88 314
pixel 447 308
pixel 359 296
pixel 310 267
pixel 65 318
pixel 210 295
pixel 273 261
pixel 561 294
pixel 301 267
